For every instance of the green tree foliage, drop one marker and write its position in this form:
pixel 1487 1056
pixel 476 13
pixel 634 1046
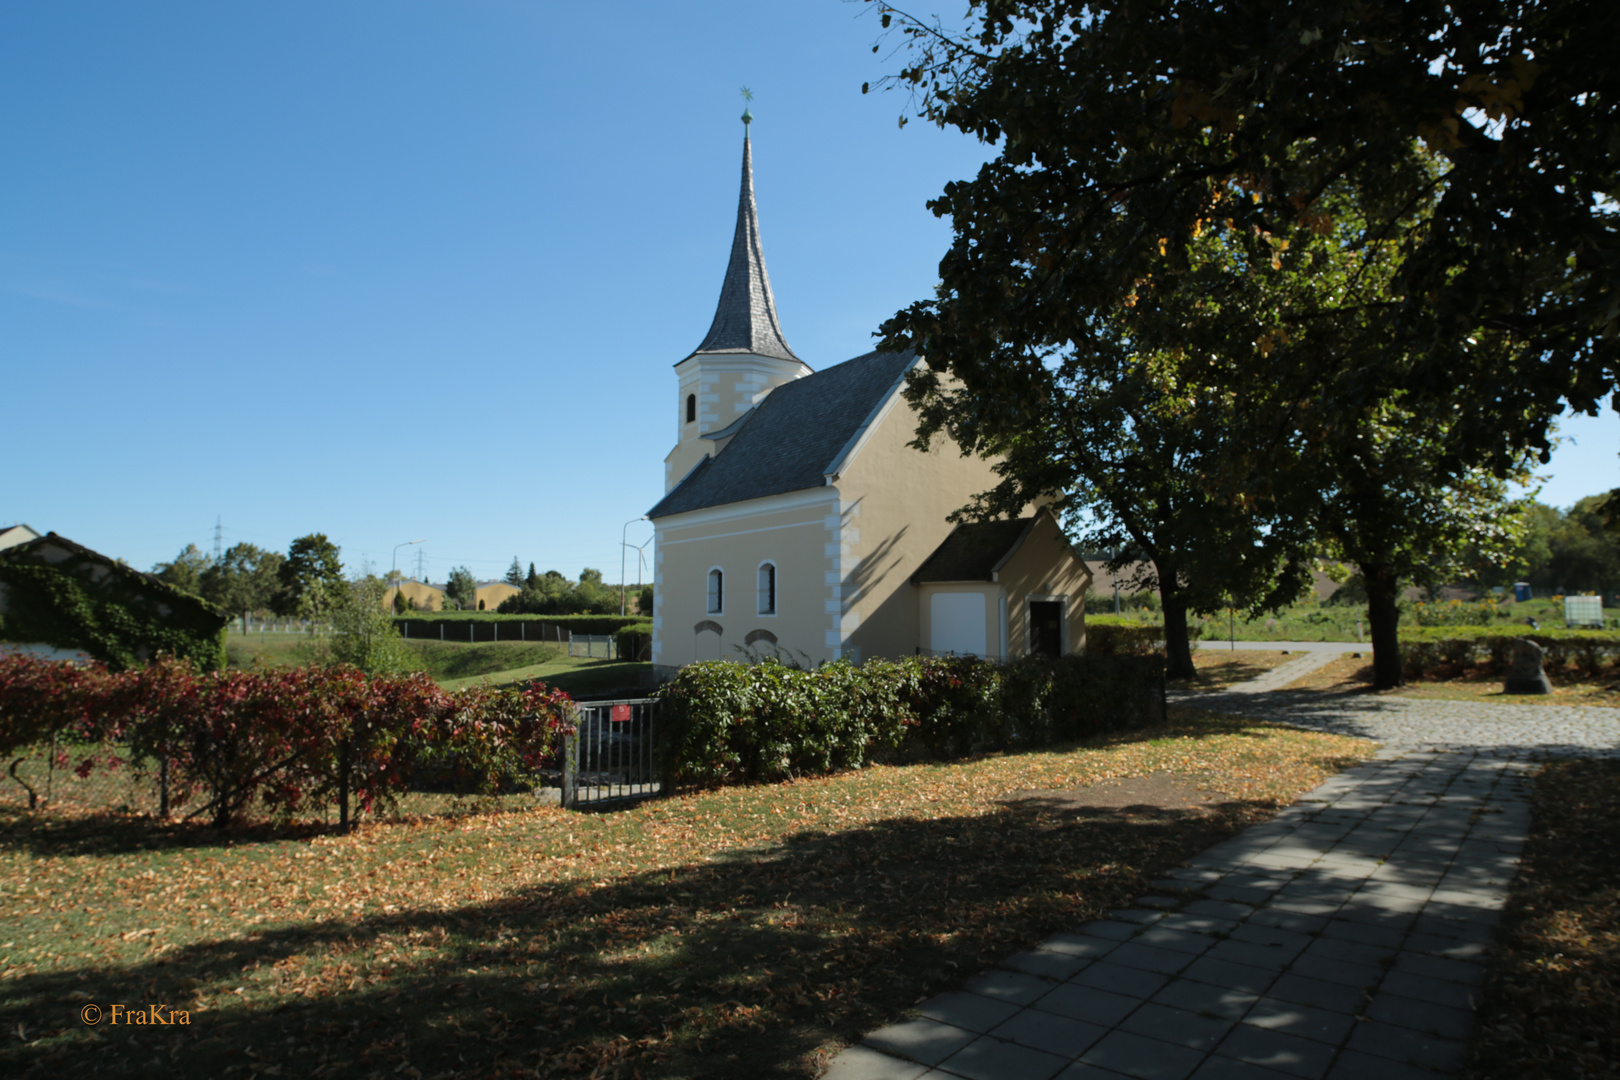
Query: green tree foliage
pixel 363 633
pixel 552 594
pixel 514 573
pixel 1127 125
pixel 1335 223
pixel 186 571
pixel 244 580
pixel 310 580
pixel 1584 554
pixel 461 588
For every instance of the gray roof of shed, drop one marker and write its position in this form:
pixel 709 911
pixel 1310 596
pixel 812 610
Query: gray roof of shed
pixel 974 551
pixel 745 320
pixel 791 440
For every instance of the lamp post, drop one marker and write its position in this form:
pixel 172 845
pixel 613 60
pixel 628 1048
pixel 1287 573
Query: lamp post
pixel 393 573
pixel 623 543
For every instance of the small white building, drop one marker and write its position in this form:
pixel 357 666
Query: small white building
pixel 797 518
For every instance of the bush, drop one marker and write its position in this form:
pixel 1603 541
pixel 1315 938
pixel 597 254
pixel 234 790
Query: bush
pixel 289 739
pixel 734 723
pixel 1108 638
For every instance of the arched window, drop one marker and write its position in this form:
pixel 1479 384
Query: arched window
pixel 716 591
pixel 767 588
pixel 691 407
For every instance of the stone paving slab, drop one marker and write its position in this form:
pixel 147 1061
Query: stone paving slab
pixel 1343 939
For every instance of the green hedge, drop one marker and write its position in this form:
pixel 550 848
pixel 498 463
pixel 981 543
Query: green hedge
pixel 1119 637
pixel 1428 648
pixel 464 626
pixel 727 722
pixel 634 643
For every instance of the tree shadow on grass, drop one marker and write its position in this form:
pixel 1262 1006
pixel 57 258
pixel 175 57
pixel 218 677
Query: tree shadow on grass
pixel 742 966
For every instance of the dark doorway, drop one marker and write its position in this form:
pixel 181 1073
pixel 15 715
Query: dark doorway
pixel 1046 627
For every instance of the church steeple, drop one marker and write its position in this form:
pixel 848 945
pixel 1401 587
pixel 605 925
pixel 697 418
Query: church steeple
pixel 745 320
pixel 744 357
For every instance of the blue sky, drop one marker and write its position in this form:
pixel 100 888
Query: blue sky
pixel 407 269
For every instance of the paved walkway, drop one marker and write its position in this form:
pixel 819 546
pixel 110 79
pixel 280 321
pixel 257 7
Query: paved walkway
pixel 1342 939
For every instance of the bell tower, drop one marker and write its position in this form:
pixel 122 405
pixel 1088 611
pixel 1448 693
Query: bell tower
pixel 744 356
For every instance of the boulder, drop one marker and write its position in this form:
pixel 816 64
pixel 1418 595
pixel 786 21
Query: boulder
pixel 1527 677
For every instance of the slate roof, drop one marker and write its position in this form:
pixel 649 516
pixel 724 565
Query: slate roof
pixel 974 551
pixel 745 320
pixel 790 440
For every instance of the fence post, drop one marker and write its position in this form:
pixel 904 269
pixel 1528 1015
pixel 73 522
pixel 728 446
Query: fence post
pixel 343 786
pixel 570 768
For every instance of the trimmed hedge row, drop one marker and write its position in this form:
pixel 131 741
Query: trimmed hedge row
pixel 475 626
pixel 1426 649
pixel 727 722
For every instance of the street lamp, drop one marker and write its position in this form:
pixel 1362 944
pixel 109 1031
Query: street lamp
pixel 623 543
pixel 393 573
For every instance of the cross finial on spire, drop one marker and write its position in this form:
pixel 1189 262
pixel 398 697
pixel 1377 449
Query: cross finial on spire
pixel 747 117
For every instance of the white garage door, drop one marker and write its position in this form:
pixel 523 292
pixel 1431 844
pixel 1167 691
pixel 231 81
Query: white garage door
pixel 956 623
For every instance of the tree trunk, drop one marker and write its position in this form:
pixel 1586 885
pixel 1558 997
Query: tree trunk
pixel 1383 619
pixel 1177 649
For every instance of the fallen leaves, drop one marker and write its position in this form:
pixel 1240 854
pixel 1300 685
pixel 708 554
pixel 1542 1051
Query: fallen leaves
pixel 1550 1008
pixel 763 922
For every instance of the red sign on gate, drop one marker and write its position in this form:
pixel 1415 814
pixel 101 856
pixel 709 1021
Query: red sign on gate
pixel 621 714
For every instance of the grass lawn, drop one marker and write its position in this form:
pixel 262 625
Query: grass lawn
pixel 1221 668
pixel 1551 1003
pixel 743 932
pixel 1312 620
pixel 1350 675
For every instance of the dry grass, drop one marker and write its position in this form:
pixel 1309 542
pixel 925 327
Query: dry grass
pixel 742 932
pixel 1551 1003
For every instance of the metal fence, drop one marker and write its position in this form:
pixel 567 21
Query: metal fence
pixel 591 645
pixel 613 757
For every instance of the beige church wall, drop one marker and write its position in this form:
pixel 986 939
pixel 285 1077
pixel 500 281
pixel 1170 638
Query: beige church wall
pixel 896 499
pixel 992 597
pixel 737 539
pixel 1044 567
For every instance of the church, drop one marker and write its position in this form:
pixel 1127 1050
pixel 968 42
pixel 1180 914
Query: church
pixel 797 522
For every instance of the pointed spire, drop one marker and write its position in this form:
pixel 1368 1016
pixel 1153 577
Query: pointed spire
pixel 745 320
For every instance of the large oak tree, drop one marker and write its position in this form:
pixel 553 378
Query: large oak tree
pixel 1451 167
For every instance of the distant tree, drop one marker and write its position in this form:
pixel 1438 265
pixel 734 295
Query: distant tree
pixel 186 571
pixel 646 600
pixel 310 578
pixel 244 580
pixel 461 587
pixel 514 573
pixel 1582 555
pixel 532 580
pixel 593 576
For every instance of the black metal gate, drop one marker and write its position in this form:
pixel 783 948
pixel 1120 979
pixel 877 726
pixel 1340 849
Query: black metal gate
pixel 613 757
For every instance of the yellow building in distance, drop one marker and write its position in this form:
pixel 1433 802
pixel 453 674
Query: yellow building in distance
pixel 427 597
